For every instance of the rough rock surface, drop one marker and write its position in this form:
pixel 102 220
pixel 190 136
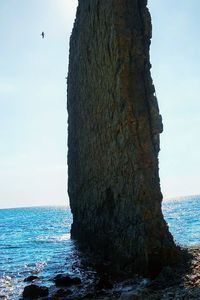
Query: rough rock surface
pixel 35 291
pixel 179 282
pixel 66 280
pixel 113 137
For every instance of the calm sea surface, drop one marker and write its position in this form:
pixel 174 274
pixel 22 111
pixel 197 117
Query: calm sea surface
pixel 37 241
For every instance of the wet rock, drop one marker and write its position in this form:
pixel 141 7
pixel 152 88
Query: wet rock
pixel 89 296
pixel 31 278
pixel 104 283
pixel 62 293
pixel 66 280
pixel 34 291
pixel 129 296
pixel 165 278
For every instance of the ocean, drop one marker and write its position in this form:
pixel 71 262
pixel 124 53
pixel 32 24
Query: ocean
pixel 36 241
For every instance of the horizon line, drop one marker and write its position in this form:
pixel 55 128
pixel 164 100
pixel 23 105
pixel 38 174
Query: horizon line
pixel 68 206
pixel 37 206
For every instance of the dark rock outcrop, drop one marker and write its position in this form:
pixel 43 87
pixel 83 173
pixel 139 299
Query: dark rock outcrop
pixel 34 291
pixel 113 140
pixel 66 280
pixel 31 278
pixel 104 283
pixel 63 293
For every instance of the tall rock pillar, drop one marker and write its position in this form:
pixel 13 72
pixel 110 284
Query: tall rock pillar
pixel 113 140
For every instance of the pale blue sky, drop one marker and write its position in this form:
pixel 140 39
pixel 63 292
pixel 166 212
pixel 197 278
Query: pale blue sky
pixel 33 117
pixel 176 72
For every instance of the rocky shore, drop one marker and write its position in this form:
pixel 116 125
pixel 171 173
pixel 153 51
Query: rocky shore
pixel 180 282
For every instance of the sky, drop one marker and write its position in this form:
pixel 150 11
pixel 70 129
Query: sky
pixel 175 61
pixel 33 116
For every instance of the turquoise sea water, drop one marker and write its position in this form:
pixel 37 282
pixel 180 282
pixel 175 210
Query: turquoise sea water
pixel 183 218
pixel 32 241
pixel 37 241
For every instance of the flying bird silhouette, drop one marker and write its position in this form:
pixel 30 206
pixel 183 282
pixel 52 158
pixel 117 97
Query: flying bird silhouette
pixel 42 34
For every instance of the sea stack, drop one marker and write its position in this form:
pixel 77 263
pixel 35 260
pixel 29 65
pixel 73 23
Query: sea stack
pixel 113 138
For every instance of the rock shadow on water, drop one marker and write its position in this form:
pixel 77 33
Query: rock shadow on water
pixel 179 282
pixel 85 276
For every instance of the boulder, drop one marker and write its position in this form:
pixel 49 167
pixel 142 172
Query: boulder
pixel 34 291
pixel 31 278
pixel 63 292
pixel 66 280
pixel 104 283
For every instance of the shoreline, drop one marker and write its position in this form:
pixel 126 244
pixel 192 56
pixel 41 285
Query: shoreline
pixel 180 282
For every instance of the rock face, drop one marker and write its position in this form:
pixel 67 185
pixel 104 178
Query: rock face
pixel 113 138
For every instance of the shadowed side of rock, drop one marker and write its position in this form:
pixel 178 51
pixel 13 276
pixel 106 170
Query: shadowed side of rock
pixel 113 137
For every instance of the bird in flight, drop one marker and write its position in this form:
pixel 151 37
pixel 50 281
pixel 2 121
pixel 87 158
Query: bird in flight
pixel 42 34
